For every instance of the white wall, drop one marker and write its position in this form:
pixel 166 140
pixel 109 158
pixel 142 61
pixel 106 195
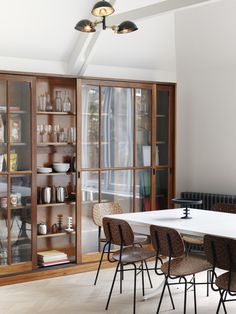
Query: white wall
pixel 206 98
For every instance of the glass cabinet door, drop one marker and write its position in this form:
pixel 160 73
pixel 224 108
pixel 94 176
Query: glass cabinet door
pixel 162 127
pixel 15 171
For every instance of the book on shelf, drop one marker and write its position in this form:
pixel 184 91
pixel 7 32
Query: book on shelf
pixel 51 256
pixel 57 262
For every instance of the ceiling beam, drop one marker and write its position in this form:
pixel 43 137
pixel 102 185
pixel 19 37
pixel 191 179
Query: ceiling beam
pixel 156 9
pixel 82 51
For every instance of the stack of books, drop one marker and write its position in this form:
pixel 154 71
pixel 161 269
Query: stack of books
pixel 52 257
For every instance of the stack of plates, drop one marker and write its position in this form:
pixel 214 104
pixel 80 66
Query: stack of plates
pixel 44 170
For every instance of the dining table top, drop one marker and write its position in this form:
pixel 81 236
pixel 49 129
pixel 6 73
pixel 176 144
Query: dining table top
pixel 202 222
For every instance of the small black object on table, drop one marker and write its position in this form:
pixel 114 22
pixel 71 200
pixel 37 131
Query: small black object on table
pixel 186 203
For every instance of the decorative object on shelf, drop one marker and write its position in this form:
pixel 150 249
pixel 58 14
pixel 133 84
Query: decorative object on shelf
pixel 4 202
pixel 44 170
pixel 54 228
pixel 47 194
pixel 69 228
pixel 13 199
pixel 103 9
pixel 1 162
pixel 13 161
pixel 48 103
pixel 66 102
pixel 186 203
pixel 42 228
pixel 52 257
pixel 42 103
pixel 58 101
pixel 15 129
pixel 61 194
pixel 61 167
pixel 59 217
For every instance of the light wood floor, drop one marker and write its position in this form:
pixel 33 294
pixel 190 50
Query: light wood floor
pixel 75 294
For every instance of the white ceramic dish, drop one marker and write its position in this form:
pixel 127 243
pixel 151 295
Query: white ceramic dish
pixel 44 170
pixel 61 167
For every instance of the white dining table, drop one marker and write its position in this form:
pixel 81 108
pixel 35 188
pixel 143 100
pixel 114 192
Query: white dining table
pixel 202 222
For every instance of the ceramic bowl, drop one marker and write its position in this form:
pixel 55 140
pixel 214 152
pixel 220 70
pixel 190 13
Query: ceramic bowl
pixel 61 167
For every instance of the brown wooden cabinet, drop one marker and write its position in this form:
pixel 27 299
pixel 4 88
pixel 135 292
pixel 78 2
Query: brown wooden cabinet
pixel 127 145
pixel 117 138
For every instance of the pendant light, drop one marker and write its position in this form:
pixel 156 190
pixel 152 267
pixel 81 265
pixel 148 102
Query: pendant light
pixel 103 9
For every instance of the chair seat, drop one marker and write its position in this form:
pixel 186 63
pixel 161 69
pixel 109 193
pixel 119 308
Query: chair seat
pixel 193 240
pixel 133 254
pixel 141 239
pixel 222 282
pixel 186 265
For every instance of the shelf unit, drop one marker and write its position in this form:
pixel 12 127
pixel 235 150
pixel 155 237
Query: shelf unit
pixel 57 213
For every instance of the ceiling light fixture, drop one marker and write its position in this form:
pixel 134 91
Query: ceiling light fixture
pixel 103 9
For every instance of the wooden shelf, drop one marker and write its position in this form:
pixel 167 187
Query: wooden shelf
pixel 55 144
pixel 17 144
pixel 55 113
pixel 17 112
pixel 19 172
pixel 53 235
pixel 56 204
pixel 56 173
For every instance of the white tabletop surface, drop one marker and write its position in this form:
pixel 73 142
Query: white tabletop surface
pixel 202 222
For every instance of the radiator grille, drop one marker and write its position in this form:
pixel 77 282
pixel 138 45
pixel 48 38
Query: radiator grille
pixel 208 199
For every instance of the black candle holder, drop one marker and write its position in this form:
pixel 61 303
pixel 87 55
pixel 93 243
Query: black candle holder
pixel 186 203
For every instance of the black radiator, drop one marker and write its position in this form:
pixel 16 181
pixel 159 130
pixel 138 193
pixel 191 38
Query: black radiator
pixel 208 199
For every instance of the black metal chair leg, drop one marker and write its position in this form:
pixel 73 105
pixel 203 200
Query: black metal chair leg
pixel 162 294
pixel 135 275
pixel 220 301
pixel 223 303
pixel 112 286
pixel 100 263
pixel 149 277
pixel 142 278
pixel 171 298
pixel 195 296
pixel 185 294
pixel 121 277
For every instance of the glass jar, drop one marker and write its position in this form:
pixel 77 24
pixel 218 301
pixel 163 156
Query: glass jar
pixel 58 101
pixel 66 102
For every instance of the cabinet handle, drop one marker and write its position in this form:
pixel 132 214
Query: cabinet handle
pixel 78 174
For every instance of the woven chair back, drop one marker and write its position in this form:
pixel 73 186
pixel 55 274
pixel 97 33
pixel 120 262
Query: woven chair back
pixel 103 209
pixel 118 231
pixel 223 207
pixel 220 252
pixel 167 241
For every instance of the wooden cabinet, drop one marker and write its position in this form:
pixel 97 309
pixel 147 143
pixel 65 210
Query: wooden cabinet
pixel 127 148
pixel 117 138
pixel 56 156
pixel 16 173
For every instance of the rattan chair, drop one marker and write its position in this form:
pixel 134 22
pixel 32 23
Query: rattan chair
pixel 221 253
pixel 191 241
pixel 118 232
pixel 168 242
pixel 100 210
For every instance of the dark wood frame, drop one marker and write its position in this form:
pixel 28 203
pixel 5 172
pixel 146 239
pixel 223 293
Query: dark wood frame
pixel 151 85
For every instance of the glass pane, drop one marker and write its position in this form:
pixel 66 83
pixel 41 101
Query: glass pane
pixel 143 127
pixel 20 142
pixel 142 190
pixel 162 188
pixel 162 130
pixel 117 127
pixel 20 201
pixel 3 96
pixel 89 198
pixel 117 186
pixel 19 96
pixel 90 129
pixel 3 220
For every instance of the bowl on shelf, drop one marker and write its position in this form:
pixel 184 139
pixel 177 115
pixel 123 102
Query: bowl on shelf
pixel 44 170
pixel 61 167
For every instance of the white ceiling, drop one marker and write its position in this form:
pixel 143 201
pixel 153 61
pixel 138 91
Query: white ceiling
pixel 39 36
